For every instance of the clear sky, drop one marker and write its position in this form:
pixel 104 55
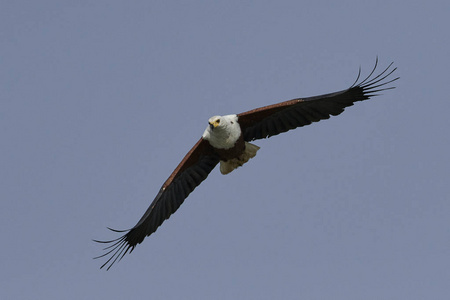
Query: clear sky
pixel 100 100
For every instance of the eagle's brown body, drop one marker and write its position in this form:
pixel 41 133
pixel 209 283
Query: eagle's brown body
pixel 233 152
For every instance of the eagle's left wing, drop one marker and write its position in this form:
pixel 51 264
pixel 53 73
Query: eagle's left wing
pixel 274 119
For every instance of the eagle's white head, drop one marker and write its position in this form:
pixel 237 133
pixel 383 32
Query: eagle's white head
pixel 222 131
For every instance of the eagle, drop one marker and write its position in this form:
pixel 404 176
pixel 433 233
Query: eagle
pixel 226 141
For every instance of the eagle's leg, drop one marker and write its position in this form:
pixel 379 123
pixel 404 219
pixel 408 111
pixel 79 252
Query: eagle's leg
pixel 231 164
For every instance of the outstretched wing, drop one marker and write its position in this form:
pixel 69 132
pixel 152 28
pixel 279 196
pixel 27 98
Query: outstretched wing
pixel 274 119
pixel 193 169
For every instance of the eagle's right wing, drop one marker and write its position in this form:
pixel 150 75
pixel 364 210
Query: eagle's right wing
pixel 193 169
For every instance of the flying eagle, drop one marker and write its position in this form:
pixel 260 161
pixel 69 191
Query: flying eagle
pixel 227 139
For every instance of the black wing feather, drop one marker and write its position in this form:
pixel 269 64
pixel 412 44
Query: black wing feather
pixel 274 119
pixel 168 200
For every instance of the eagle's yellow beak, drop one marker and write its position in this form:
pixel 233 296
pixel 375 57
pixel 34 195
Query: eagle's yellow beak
pixel 214 124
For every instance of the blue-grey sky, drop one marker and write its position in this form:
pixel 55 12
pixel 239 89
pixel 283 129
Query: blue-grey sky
pixel 100 100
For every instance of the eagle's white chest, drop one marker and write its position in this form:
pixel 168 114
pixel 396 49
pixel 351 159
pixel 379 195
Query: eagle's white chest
pixel 225 135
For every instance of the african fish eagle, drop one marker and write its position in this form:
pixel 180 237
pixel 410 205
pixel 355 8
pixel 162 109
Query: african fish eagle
pixel 227 140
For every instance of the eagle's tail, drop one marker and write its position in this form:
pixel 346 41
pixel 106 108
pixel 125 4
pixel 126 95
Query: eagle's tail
pixel 229 165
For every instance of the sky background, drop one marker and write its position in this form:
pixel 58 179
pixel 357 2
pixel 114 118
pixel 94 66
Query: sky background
pixel 100 100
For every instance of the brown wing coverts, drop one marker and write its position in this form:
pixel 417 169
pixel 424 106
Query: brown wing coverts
pixel 194 168
pixel 278 118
